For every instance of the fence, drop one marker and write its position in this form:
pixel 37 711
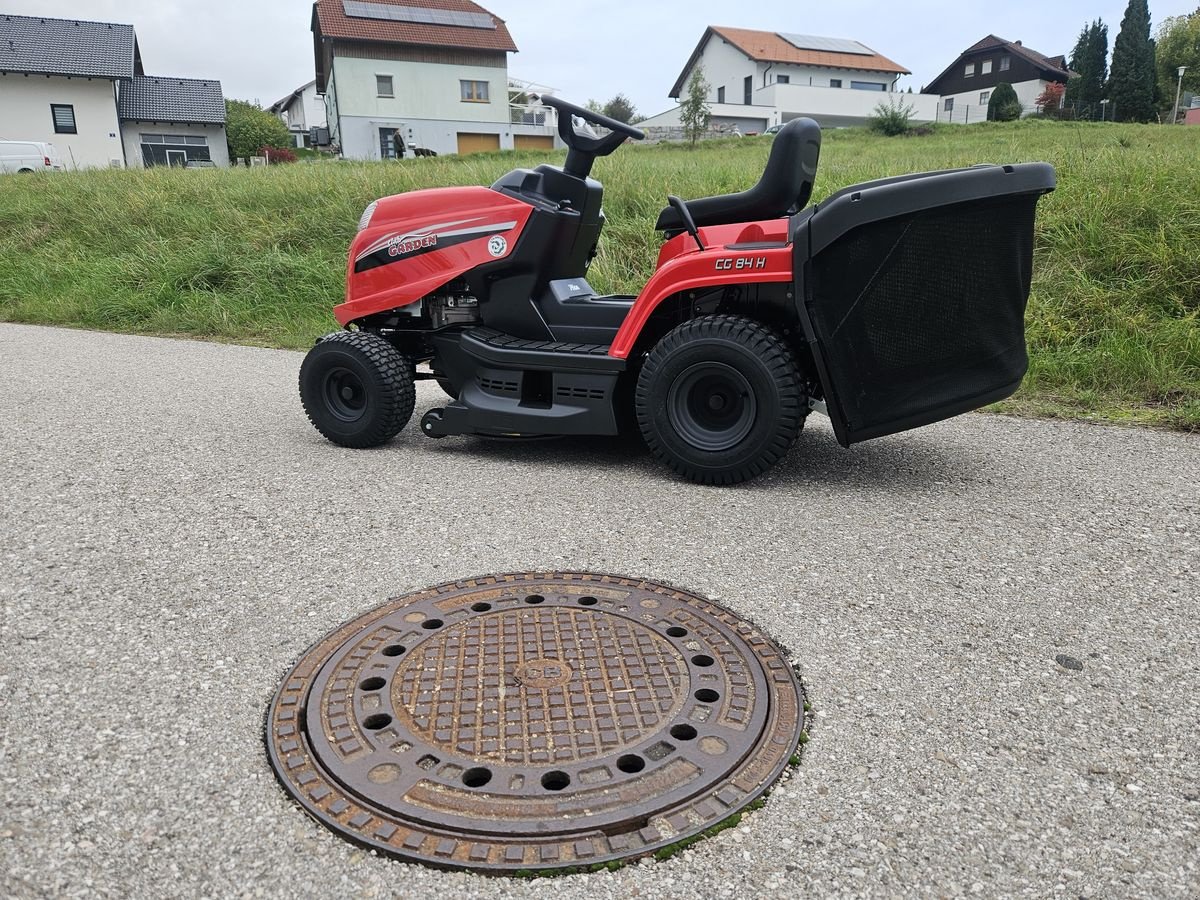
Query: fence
pixel 967 114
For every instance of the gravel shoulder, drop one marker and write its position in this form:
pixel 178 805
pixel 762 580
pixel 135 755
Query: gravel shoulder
pixel 996 619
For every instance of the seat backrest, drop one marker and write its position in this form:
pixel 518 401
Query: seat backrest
pixel 785 186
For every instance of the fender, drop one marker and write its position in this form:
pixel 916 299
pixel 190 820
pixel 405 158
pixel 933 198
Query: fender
pixel 717 265
pixel 416 242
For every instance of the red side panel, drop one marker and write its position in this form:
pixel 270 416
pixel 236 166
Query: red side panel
pixel 418 241
pixel 683 267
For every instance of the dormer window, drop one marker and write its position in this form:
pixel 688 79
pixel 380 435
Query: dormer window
pixel 969 70
pixel 1005 62
pixel 985 67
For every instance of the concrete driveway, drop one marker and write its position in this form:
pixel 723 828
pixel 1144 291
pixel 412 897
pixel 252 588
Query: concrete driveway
pixel 996 620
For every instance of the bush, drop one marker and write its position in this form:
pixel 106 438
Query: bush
pixel 249 128
pixel 1003 105
pixel 891 118
pixel 277 155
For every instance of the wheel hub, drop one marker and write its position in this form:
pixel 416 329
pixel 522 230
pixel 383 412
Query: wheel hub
pixel 712 406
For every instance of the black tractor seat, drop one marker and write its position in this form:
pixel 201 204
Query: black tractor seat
pixel 784 189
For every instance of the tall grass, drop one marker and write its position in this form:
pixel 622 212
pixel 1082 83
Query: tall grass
pixel 258 255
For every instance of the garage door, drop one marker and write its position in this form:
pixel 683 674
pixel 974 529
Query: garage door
pixel 533 142
pixel 477 143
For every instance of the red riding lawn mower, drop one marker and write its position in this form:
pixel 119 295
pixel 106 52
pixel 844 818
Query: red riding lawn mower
pixel 888 306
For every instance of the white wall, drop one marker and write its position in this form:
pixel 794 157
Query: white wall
pixel 422 90
pixel 218 142
pixel 25 116
pixel 968 110
pixel 439 135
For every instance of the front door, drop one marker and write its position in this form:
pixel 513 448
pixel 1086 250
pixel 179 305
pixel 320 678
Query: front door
pixel 177 158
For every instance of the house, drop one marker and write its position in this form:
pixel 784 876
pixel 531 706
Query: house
pixel 435 71
pixel 761 78
pixel 81 86
pixel 59 80
pixel 172 121
pixel 967 85
pixel 302 110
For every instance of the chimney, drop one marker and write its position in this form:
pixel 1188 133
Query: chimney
pixel 1018 43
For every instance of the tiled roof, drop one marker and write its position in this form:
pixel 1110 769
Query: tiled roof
pixel 1054 64
pixel 331 21
pixel 768 46
pixel 67 47
pixel 156 98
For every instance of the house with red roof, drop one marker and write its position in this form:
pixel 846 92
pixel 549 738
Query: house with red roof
pixel 966 86
pixel 761 78
pixel 402 75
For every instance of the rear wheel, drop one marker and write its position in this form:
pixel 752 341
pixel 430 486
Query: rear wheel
pixel 720 399
pixel 357 389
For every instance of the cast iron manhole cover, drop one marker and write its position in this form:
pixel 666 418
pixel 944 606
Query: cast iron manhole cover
pixel 534 721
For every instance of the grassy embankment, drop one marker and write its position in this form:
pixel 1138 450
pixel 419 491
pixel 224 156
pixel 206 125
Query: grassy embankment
pixel 257 256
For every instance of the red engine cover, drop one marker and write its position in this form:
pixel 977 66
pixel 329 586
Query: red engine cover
pixel 416 242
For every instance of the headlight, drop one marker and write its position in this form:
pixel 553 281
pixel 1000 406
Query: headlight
pixel 365 219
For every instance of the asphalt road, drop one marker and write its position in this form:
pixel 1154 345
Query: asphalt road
pixel 174 534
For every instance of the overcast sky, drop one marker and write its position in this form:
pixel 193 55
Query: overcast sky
pixel 262 49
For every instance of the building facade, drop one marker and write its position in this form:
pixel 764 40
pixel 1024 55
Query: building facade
pixel 301 111
pixel 80 85
pixel 173 121
pixel 966 86
pixel 436 74
pixel 760 78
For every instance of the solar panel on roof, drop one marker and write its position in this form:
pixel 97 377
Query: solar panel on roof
pixel 828 45
pixel 419 15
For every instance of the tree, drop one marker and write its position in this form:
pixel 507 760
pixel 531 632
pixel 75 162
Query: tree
pixel 1131 81
pixel 1003 105
pixel 249 128
pixel 1049 101
pixel 594 106
pixel 1089 61
pixel 694 112
pixel 620 108
pixel 1178 45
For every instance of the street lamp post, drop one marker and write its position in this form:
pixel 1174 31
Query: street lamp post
pixel 1178 90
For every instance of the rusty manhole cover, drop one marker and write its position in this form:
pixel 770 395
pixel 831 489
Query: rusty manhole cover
pixel 534 721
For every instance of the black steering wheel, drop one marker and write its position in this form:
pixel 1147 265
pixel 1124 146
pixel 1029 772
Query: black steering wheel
pixel 582 149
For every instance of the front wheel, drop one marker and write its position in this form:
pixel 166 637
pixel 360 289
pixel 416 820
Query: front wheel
pixel 720 399
pixel 357 389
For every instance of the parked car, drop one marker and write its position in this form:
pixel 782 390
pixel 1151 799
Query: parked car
pixel 774 129
pixel 29 156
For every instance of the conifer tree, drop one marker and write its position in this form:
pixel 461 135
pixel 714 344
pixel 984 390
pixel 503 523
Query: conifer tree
pixel 1089 61
pixel 1131 83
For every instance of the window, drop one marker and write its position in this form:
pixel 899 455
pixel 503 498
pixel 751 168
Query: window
pixel 748 89
pixel 984 96
pixel 985 67
pixel 1005 62
pixel 867 86
pixel 783 79
pixel 721 95
pixel 64 118
pixel 383 86
pixel 835 82
pixel 969 70
pixel 948 105
pixel 474 91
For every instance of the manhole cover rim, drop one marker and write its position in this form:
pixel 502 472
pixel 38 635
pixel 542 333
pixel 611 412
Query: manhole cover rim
pixel 363 821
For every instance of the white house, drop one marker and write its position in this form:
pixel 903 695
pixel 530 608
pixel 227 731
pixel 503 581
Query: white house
pixel 58 83
pixel 966 86
pixel 80 85
pixel 761 78
pixel 302 110
pixel 436 73
pixel 172 121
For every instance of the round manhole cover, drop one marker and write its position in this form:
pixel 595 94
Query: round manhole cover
pixel 534 721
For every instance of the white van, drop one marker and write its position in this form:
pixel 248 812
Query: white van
pixel 28 156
